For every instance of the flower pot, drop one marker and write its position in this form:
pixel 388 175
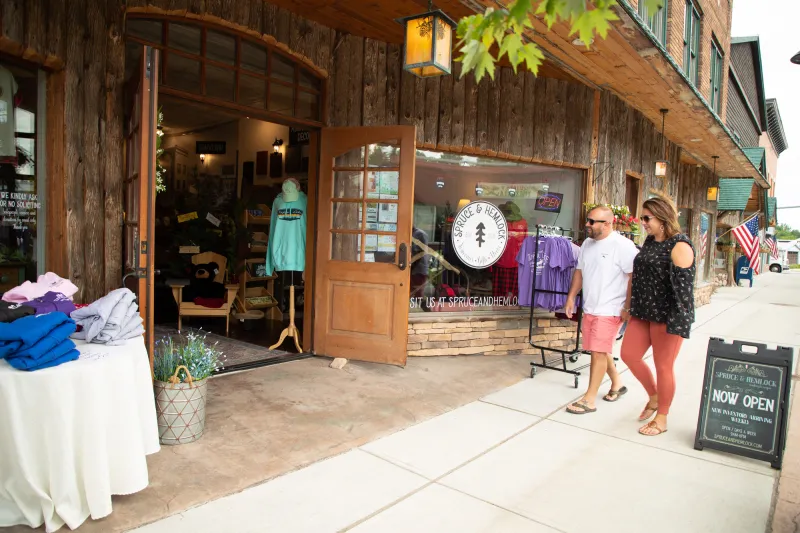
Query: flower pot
pixel 180 409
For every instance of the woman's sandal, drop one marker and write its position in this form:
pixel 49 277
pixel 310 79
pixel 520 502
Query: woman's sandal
pixel 580 404
pixel 648 412
pixel 653 427
pixel 613 395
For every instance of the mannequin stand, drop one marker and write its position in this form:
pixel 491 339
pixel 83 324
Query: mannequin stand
pixel 291 330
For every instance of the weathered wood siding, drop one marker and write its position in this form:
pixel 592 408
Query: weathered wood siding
pixel 84 50
pixel 515 116
pixel 628 142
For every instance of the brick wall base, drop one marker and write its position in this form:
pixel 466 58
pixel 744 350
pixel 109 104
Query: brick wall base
pixel 488 336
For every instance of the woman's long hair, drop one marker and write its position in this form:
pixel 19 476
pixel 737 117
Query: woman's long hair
pixel 664 210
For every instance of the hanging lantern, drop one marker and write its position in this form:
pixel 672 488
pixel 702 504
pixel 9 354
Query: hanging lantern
pixel 662 165
pixel 712 193
pixel 428 47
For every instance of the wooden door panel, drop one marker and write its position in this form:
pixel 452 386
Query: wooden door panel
pixel 139 191
pixel 366 192
pixel 372 319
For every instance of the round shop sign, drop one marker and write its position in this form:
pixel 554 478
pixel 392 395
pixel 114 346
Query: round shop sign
pixel 480 234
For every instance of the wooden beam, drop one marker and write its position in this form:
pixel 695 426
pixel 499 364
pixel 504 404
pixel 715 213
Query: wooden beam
pixel 595 148
pixel 56 216
pixel 113 139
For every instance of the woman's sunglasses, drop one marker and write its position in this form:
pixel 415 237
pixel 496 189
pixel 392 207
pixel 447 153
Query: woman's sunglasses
pixel 647 218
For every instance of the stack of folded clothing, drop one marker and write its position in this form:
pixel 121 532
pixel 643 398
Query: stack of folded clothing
pixel 45 283
pixel 50 303
pixel 36 342
pixel 112 320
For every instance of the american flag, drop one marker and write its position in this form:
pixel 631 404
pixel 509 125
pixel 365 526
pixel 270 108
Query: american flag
pixel 747 236
pixel 773 245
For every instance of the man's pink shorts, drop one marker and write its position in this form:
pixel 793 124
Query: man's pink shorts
pixel 600 332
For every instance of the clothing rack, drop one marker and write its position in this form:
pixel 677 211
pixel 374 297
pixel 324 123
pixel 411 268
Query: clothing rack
pixel 573 354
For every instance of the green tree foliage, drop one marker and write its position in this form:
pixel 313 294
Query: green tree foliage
pixel 485 38
pixel 785 232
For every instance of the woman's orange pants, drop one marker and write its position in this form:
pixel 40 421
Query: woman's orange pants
pixel 639 336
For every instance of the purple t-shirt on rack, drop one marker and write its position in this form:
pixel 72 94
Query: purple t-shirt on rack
pixel 553 271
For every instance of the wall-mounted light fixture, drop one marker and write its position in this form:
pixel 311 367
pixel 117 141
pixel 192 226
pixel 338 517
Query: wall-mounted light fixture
pixel 512 191
pixel 428 46
pixel 464 202
pixel 440 183
pixel 478 190
pixel 203 158
pixel 276 146
pixel 662 165
pixel 712 194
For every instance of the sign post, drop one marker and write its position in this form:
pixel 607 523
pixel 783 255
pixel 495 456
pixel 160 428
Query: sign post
pixel 745 400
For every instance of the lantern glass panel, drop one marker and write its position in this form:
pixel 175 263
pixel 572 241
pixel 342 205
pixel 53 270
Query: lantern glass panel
pixel 444 43
pixel 661 168
pixel 419 40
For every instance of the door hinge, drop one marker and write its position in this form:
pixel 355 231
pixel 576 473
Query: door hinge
pixel 143 248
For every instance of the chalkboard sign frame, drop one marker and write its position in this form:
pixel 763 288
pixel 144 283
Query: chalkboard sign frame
pixel 781 359
pixel 210 147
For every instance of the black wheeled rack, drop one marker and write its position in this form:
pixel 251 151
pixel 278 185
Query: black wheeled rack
pixel 563 355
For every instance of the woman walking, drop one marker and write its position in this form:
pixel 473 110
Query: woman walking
pixel 661 308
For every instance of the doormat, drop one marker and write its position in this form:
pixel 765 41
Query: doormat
pixel 238 354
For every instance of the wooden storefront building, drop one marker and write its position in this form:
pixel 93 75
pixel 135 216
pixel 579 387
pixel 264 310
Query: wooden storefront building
pixel 592 113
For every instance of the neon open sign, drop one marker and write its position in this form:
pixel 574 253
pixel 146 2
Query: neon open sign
pixel 549 201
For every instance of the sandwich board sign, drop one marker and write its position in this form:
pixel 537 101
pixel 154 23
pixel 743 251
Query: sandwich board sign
pixel 745 400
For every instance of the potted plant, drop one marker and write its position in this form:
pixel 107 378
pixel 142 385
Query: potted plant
pixel 181 368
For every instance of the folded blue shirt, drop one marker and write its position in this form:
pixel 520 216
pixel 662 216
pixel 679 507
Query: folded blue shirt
pixel 35 342
pixel 63 352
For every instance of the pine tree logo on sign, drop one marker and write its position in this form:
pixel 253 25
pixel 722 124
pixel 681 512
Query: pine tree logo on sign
pixel 480 234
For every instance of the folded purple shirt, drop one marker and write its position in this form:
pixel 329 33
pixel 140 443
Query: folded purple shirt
pixel 52 302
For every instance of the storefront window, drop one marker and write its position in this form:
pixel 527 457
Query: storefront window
pixel 684 216
pixel 20 206
pixel 524 195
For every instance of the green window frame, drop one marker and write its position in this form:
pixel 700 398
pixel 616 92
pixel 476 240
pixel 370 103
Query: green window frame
pixel 656 21
pixel 716 77
pixel 691 42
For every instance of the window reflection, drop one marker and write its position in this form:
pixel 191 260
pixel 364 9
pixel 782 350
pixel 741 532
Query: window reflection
pixel 19 200
pixel 440 281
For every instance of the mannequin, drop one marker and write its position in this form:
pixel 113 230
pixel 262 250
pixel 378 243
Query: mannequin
pixel 286 247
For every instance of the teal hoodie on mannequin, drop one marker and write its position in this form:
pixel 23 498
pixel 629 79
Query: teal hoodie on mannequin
pixel 286 247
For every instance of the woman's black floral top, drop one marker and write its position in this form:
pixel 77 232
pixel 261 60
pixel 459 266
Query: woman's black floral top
pixel 662 292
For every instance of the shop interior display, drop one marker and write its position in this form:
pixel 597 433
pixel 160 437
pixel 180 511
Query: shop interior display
pixel 286 248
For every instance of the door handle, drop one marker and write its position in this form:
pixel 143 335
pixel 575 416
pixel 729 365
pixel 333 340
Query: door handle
pixel 403 262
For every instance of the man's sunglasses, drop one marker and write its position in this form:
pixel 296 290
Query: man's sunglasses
pixel 592 221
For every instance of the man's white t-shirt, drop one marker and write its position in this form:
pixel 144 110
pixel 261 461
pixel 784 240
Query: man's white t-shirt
pixel 605 266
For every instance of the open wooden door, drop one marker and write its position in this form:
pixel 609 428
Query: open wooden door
pixel 366 197
pixel 140 185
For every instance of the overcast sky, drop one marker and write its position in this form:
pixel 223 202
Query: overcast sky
pixel 775 23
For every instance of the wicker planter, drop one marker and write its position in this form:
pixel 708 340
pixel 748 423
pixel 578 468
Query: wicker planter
pixel 181 409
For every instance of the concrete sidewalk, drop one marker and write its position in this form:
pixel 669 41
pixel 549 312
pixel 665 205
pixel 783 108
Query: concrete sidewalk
pixel 515 461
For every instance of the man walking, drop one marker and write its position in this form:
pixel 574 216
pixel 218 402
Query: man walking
pixel 604 274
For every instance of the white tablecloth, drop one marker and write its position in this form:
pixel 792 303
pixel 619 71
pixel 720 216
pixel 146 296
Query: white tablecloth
pixel 73 435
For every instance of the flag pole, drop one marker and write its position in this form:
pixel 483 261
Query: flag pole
pixel 730 230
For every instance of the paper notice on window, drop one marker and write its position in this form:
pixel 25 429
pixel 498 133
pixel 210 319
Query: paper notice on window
pixel 386 243
pixel 372 243
pixel 214 220
pixel 369 257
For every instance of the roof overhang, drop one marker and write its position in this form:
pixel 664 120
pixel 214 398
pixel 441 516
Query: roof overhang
pixel 634 65
pixel 755 50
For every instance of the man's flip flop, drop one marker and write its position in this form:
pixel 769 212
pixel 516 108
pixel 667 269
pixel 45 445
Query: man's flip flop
pixel 580 405
pixel 613 395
